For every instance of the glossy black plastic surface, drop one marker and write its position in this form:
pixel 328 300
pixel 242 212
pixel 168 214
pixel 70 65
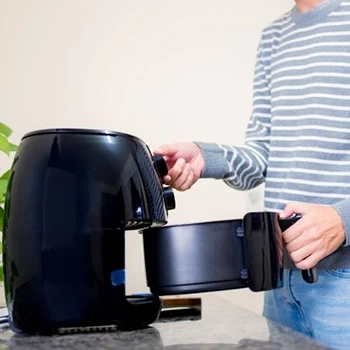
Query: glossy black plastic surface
pixel 264 253
pixel 72 194
pixel 193 258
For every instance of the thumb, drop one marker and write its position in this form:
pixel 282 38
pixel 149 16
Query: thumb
pixel 167 150
pixel 294 208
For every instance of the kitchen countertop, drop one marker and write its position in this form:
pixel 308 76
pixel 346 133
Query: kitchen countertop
pixel 221 325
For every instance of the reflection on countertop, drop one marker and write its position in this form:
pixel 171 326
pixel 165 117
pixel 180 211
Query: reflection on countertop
pixel 222 325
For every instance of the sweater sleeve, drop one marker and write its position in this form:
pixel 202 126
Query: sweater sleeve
pixel 244 167
pixel 343 209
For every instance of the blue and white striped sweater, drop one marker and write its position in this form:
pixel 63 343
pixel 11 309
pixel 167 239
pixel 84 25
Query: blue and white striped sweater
pixel 298 137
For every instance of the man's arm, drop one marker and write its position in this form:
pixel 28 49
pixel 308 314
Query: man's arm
pixel 244 167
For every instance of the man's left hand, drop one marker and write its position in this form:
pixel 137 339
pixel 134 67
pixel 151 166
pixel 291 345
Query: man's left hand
pixel 313 237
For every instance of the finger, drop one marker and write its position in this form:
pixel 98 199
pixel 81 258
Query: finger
pixel 288 211
pixel 294 208
pixel 189 182
pixel 293 233
pixel 170 161
pixel 167 179
pixel 167 150
pixel 295 239
pixel 304 252
pixel 310 262
pixel 181 180
pixel 176 171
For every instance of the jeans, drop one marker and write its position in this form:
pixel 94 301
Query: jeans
pixel 320 310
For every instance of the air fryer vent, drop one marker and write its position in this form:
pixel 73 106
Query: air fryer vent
pixel 136 225
pixel 91 329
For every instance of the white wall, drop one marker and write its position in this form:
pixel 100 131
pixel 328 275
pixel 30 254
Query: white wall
pixel 162 70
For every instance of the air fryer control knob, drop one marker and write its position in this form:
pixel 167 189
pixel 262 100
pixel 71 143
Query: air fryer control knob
pixel 169 198
pixel 160 164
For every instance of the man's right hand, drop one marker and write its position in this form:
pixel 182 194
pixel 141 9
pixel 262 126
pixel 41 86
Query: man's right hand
pixel 185 164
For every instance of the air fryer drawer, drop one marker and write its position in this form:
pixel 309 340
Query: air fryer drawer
pixel 192 258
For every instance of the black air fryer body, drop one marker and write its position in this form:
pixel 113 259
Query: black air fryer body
pixel 72 195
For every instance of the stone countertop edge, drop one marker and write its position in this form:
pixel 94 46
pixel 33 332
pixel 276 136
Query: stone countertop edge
pixel 223 325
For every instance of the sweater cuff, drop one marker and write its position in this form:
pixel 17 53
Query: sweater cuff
pixel 343 209
pixel 215 163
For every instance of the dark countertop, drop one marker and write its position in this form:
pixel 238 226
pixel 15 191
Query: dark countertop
pixel 222 325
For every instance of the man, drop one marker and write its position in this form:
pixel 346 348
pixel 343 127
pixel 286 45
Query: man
pixel 298 143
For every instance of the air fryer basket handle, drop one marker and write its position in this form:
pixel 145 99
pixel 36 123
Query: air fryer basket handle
pixel 309 275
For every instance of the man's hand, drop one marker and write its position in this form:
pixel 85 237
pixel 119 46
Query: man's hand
pixel 185 164
pixel 316 235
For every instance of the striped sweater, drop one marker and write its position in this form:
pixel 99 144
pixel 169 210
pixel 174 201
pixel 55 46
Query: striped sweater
pixel 298 137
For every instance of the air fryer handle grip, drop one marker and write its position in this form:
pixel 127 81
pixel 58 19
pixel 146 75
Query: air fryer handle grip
pixel 309 275
pixel 285 223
